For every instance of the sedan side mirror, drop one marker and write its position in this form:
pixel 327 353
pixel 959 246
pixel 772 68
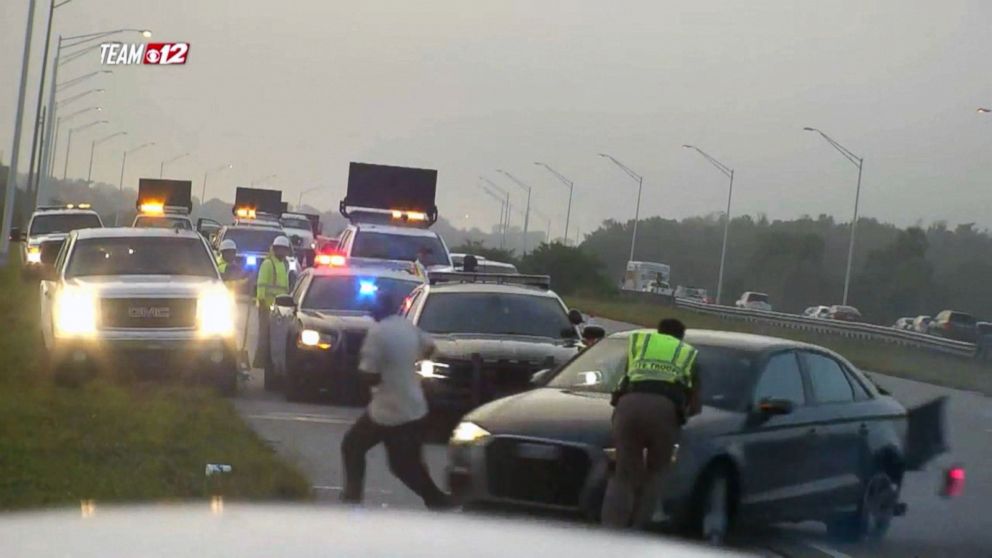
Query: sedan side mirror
pixel 772 407
pixel 16 235
pixel 575 317
pixel 285 301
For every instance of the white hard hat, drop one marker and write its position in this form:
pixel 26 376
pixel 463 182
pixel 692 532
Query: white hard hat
pixel 282 241
pixel 228 244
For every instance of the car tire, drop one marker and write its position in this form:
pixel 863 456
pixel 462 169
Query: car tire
pixel 873 517
pixel 711 512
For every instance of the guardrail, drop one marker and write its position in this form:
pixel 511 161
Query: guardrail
pixel 853 330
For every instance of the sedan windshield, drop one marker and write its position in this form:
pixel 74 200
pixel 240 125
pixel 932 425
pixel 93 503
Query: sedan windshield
pixel 385 246
pixel 63 223
pixel 140 256
pixel 351 293
pixel 725 374
pixel 252 240
pixel 496 314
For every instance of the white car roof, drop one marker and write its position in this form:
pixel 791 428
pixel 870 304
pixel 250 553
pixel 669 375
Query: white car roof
pixel 65 212
pixel 392 229
pixel 133 232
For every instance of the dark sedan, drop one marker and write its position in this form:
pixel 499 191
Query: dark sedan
pixel 788 432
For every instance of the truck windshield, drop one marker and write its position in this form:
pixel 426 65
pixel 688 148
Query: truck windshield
pixel 63 223
pixel 140 256
pixel 252 240
pixel 390 246
pixel 295 223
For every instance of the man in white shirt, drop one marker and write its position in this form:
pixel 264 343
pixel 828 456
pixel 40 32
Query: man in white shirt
pixel 397 412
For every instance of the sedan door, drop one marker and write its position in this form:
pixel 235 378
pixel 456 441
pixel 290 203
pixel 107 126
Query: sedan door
pixel 281 323
pixel 777 448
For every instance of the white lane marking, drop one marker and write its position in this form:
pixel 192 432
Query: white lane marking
pixel 340 488
pixel 301 418
pixel 825 549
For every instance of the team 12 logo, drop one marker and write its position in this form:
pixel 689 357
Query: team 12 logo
pixel 144 53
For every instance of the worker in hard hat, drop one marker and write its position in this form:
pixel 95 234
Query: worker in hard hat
pixel 231 272
pixel 273 280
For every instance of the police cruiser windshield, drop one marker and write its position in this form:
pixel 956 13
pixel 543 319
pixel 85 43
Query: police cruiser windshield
pixel 496 314
pixel 725 374
pixel 140 256
pixel 155 222
pixel 252 240
pixel 63 223
pixel 384 246
pixel 348 293
pixel 295 223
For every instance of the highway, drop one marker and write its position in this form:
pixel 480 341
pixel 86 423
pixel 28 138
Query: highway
pixel 309 435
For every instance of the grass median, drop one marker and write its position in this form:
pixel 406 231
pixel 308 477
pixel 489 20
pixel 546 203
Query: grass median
pixel 903 362
pixel 113 442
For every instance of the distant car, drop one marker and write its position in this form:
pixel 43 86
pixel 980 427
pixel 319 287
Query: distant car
pixel 950 324
pixel 46 232
pixel 752 300
pixel 905 324
pixel 484 265
pixel 921 324
pixel 694 294
pixel 819 312
pixel 983 345
pixel 844 313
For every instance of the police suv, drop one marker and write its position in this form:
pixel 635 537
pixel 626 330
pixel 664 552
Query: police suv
pixel 139 301
pixel 47 230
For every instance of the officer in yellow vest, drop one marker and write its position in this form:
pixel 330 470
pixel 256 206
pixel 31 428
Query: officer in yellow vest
pixel 653 400
pixel 231 272
pixel 272 281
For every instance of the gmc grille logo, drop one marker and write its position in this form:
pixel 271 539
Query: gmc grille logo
pixel 157 312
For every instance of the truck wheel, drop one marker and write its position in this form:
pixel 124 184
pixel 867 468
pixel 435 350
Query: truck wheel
pixel 874 514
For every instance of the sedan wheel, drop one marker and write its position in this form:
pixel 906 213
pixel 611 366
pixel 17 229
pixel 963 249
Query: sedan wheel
pixel 875 512
pixel 715 507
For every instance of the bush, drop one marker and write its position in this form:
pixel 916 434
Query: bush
pixel 572 270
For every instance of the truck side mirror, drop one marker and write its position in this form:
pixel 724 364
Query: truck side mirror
pixel 16 235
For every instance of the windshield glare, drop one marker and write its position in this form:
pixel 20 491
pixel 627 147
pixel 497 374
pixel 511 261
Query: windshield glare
pixel 63 223
pixel 354 293
pixel 140 256
pixel 386 246
pixel 252 240
pixel 496 314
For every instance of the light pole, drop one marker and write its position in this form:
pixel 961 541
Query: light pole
pixel 571 187
pixel 66 118
pixel 68 143
pixel 858 162
pixel 8 205
pixel 506 214
pixel 299 201
pixel 161 167
pixel 729 173
pixel 259 180
pixel 502 211
pixel 526 211
pixel 637 208
pixel 120 184
pixel 203 192
pixel 547 229
pixel 983 110
pixel 93 144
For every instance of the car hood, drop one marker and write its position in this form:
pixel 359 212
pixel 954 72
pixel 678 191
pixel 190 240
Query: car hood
pixel 578 417
pixel 324 319
pixel 153 286
pixel 512 348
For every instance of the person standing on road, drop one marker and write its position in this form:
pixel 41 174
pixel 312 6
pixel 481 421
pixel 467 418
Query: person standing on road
pixel 273 280
pixel 656 395
pixel 396 416
pixel 231 271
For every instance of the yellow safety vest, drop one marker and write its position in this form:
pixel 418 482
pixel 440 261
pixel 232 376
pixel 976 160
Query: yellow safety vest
pixel 659 357
pixel 273 280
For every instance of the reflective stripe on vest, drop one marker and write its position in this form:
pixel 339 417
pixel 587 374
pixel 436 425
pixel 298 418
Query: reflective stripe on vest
pixel 659 357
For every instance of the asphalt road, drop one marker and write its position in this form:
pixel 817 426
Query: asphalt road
pixel 309 435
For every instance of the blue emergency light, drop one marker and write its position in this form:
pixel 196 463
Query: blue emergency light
pixel 367 288
pixel 251 261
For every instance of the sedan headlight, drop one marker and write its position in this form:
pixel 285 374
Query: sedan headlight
pixel 75 312
pixel 215 312
pixel 313 339
pixel 431 369
pixel 34 255
pixel 468 433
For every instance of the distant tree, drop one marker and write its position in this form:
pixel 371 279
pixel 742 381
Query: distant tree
pixel 572 270
pixel 896 280
pixel 478 248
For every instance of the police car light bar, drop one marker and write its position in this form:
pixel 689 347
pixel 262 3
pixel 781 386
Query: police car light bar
pixel 66 206
pixel 244 212
pixel 540 281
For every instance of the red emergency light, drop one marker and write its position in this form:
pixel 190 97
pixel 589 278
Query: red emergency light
pixel 953 482
pixel 330 260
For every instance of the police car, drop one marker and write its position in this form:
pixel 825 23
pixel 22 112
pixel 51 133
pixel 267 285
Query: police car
pixel 493 332
pixel 253 239
pixel 47 230
pixel 316 331
pixel 301 228
pixel 157 216
pixel 391 242
pixel 139 301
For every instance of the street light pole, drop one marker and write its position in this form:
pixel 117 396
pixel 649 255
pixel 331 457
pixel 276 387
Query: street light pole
pixel 506 215
pixel 203 191
pixel 68 143
pixel 161 167
pixel 120 184
pixel 299 201
pixel 571 187
pixel 858 162
pixel 729 172
pixel 32 179
pixel 527 211
pixel 637 207
pixel 93 144
pixel 8 206
pixel 502 211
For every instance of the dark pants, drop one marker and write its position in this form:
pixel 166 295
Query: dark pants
pixel 404 445
pixel 646 428
pixel 262 342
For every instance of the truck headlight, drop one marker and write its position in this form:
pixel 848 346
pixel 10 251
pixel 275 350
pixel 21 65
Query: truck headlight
pixel 34 255
pixel 431 369
pixel 468 433
pixel 313 339
pixel 75 311
pixel 215 312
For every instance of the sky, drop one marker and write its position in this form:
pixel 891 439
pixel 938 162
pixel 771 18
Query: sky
pixel 299 88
